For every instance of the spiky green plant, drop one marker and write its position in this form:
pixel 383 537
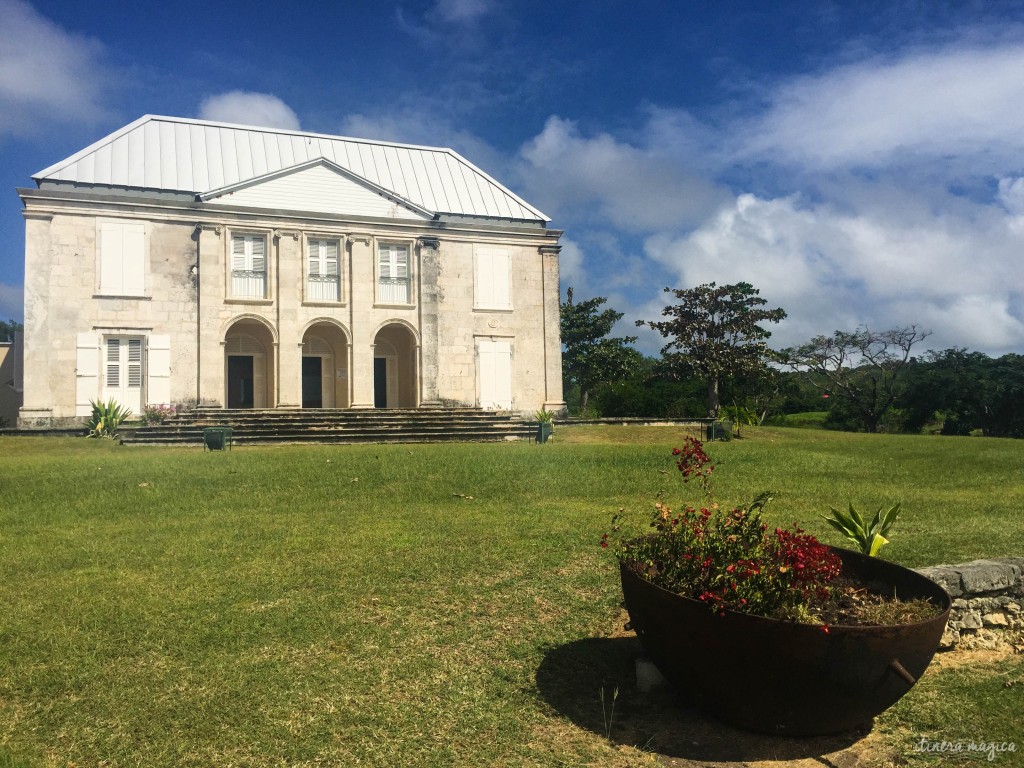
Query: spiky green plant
pixel 869 537
pixel 106 418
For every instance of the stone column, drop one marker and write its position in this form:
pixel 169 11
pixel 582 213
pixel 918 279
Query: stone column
pixel 429 306
pixel 554 399
pixel 288 299
pixel 363 293
pixel 209 339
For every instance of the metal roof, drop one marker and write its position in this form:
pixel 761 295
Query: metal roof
pixel 174 154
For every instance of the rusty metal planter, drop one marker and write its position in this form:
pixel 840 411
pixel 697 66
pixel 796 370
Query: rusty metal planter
pixel 782 677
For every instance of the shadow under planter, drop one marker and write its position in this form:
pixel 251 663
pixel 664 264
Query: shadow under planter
pixel 783 677
pixel 572 677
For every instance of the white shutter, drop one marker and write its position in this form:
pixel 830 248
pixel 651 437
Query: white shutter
pixel 258 246
pixel 133 254
pixel 495 374
pixel 87 362
pixel 159 370
pixel 112 365
pixel 401 259
pixel 330 256
pixel 492 279
pixel 111 247
pixel 384 260
pixel 238 260
pixel 314 258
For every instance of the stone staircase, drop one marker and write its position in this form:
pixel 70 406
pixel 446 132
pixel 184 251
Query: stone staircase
pixel 337 426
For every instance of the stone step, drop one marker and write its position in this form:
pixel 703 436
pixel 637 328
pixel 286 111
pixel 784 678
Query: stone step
pixel 338 425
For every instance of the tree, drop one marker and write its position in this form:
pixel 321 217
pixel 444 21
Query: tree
pixel 864 369
pixel 714 333
pixel 9 328
pixel 968 391
pixel 590 357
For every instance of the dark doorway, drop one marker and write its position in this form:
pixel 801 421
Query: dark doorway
pixel 241 393
pixel 312 382
pixel 380 382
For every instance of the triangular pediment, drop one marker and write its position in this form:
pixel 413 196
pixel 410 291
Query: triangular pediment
pixel 318 186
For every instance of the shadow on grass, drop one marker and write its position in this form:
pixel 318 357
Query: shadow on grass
pixel 572 677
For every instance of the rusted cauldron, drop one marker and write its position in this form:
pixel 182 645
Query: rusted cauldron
pixel 782 677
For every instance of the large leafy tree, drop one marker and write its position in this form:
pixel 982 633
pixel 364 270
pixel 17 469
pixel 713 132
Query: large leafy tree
pixel 590 356
pixel 864 369
pixel 714 332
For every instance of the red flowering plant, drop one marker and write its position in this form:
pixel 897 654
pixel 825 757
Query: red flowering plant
pixel 730 559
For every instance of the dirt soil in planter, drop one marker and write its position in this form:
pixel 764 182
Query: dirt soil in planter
pixel 866 603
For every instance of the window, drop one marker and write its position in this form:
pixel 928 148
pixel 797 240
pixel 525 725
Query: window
pixel 249 266
pixel 122 258
pixel 492 279
pixel 322 274
pixel 393 274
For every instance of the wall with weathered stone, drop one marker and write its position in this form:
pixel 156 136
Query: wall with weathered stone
pixel 987 599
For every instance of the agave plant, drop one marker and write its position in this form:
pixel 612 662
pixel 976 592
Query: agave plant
pixel 869 537
pixel 106 418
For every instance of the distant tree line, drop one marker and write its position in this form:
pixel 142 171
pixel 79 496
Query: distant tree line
pixel 8 328
pixel 716 362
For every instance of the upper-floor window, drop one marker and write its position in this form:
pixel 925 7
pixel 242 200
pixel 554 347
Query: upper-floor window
pixel 323 279
pixel 393 274
pixel 249 266
pixel 491 279
pixel 122 258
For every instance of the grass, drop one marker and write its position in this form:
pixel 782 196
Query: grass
pixel 406 605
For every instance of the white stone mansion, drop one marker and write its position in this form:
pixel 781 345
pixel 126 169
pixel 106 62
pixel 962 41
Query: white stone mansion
pixel 182 261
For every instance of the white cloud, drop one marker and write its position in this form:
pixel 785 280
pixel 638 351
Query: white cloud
pixel 837 270
pixel 957 101
pixel 637 189
pixel 47 74
pixel 246 108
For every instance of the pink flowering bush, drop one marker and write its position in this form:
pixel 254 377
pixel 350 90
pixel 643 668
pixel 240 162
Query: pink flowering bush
pixel 729 559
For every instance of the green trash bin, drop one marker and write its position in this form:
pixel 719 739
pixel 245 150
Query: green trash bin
pixel 216 438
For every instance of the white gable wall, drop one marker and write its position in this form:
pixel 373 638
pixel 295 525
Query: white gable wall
pixel 318 188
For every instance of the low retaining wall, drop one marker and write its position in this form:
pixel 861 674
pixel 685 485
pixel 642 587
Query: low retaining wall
pixel 988 596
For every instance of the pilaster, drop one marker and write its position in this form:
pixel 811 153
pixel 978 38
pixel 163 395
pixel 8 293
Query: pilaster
pixel 554 399
pixel 429 307
pixel 364 286
pixel 288 297
pixel 211 291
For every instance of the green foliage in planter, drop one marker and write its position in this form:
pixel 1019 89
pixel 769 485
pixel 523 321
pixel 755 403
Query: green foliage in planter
pixel 869 537
pixel 106 418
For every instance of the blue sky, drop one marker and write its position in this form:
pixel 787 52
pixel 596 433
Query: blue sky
pixel 860 163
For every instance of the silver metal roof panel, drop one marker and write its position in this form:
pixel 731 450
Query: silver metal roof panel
pixel 198 156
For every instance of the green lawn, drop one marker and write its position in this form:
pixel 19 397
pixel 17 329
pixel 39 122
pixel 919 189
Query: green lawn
pixel 411 605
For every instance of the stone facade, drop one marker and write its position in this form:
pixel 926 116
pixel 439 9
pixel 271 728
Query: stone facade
pixel 988 596
pixel 187 337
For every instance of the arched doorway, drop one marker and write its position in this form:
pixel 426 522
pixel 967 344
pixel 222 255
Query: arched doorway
pixel 325 377
pixel 249 365
pixel 394 368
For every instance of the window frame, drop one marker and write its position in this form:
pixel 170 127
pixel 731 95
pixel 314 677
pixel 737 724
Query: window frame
pixel 266 237
pixel 410 278
pixel 341 242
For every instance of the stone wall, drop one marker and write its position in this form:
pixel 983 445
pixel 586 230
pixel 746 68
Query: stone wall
pixel 987 599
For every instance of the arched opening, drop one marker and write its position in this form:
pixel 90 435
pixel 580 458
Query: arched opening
pixel 394 368
pixel 325 376
pixel 249 365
